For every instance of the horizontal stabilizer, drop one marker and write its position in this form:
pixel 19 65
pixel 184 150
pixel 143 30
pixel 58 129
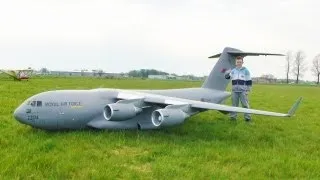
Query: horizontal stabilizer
pixel 240 53
pixel 215 56
pixel 237 53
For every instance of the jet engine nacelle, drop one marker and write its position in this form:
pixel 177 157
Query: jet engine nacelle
pixel 168 117
pixel 120 112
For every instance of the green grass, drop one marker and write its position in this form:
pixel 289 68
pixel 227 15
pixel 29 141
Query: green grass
pixel 206 146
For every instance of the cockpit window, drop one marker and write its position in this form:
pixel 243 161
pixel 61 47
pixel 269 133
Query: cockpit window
pixel 39 103
pixel 35 103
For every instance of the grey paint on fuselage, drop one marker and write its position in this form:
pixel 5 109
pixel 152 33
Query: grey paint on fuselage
pixel 147 109
pixel 198 94
pixel 74 109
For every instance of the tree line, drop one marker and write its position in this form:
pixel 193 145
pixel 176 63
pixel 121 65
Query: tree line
pixel 145 73
pixel 295 65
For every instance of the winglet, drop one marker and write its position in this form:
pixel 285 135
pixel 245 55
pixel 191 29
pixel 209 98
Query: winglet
pixel 294 107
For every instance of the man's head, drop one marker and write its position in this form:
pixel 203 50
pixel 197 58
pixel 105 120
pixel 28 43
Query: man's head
pixel 239 61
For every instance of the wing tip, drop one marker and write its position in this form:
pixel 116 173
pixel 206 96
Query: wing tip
pixel 294 107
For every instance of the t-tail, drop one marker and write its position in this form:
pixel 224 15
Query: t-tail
pixel 216 79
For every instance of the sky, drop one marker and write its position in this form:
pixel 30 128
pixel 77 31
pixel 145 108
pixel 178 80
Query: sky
pixel 173 36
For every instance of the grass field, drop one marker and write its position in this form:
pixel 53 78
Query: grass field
pixel 206 146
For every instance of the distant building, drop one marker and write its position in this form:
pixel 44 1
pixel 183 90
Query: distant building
pixel 263 80
pixel 171 76
pixel 70 73
pixel 87 74
pixel 158 76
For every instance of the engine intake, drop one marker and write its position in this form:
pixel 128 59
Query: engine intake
pixel 120 112
pixel 168 117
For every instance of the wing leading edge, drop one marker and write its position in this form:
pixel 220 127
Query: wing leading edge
pixel 166 100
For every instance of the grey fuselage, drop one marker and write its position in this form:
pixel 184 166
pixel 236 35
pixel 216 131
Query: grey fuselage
pixel 80 109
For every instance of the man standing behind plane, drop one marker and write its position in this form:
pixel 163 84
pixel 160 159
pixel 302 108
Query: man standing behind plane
pixel 241 86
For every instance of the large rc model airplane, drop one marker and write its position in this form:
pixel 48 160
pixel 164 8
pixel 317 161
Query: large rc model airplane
pixel 18 74
pixel 135 109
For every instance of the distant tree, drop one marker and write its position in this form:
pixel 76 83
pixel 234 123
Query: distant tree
pixel 44 71
pixel 152 72
pixel 316 67
pixel 94 72
pixel 82 71
pixel 269 77
pixel 144 73
pixel 100 72
pixel 288 64
pixel 298 65
pixel 134 73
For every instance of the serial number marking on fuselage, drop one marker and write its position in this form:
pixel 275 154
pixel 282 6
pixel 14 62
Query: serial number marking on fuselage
pixel 52 104
pixel 32 118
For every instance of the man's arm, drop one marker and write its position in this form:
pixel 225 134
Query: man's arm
pixel 248 80
pixel 227 75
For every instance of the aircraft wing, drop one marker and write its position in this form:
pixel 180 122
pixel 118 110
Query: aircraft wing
pixel 166 100
pixel 9 73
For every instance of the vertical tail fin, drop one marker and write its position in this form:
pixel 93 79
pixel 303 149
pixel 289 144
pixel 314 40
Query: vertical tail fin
pixel 216 79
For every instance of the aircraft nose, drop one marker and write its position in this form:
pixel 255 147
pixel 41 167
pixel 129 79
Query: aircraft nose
pixel 19 115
